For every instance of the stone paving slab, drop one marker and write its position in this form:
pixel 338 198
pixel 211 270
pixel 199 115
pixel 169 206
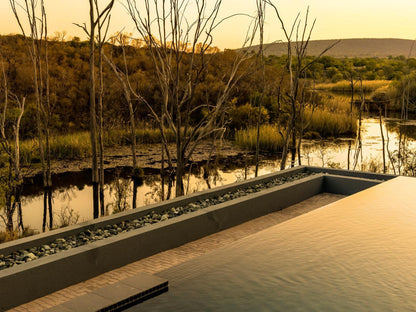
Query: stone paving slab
pixel 118 296
pixel 172 257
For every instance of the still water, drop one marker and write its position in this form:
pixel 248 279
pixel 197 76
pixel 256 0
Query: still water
pixel 72 202
pixel 356 254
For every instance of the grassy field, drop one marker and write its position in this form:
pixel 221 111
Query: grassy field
pixel 344 86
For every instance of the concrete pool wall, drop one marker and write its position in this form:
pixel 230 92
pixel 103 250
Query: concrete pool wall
pixel 31 280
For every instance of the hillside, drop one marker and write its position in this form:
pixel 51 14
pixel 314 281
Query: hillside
pixel 352 48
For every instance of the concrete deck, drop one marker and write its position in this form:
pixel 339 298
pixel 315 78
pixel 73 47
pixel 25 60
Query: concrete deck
pixel 173 257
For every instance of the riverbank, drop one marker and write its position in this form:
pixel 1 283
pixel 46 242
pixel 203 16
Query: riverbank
pixel 148 157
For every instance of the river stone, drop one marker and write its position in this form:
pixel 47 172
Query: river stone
pixel 31 256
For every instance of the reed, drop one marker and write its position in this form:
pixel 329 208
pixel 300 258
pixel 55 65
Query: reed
pixel 270 139
pixel 332 119
pixel 344 86
pixel 329 124
pixel 78 145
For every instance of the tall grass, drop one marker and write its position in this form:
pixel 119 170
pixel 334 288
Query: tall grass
pixel 337 104
pixel 331 124
pixel 330 120
pixel 344 86
pixel 270 139
pixel 78 145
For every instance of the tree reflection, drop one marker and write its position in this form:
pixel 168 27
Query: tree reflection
pixel 120 189
pixel 137 181
pixel 47 208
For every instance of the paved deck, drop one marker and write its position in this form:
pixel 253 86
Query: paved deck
pixel 169 258
pixel 356 254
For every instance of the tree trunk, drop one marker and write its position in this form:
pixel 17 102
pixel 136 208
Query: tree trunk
pixel 45 209
pixel 179 178
pixel 135 186
pixel 50 208
pixel 100 121
pixel 293 149
pixel 93 121
pixel 285 149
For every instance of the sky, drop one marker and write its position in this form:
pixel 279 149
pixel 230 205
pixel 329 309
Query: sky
pixel 335 19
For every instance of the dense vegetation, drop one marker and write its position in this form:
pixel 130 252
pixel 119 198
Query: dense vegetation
pixel 384 81
pixel 69 81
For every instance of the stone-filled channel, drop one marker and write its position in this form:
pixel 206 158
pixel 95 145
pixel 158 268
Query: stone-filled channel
pixel 91 235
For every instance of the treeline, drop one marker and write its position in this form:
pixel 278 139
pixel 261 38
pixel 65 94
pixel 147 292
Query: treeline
pixel 69 78
pixel 330 69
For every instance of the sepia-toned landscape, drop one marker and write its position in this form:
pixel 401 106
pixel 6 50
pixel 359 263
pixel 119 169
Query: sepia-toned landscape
pixel 123 111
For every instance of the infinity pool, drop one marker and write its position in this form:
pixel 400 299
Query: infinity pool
pixel 357 254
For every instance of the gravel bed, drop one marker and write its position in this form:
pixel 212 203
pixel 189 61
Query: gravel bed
pixel 89 236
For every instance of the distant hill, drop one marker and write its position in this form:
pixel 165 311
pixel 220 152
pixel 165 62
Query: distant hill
pixel 351 48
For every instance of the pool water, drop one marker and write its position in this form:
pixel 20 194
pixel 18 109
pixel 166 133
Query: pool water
pixel 356 254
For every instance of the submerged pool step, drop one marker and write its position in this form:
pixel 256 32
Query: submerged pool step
pixel 118 296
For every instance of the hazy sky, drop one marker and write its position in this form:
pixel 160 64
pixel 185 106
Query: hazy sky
pixel 335 18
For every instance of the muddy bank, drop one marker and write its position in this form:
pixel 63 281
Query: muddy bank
pixel 118 162
pixel 148 157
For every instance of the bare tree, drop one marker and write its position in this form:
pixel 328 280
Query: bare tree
pixel 358 145
pixel 304 118
pixel 296 67
pixel 122 75
pixel 32 13
pixel 351 78
pixel 97 32
pixel 10 133
pixel 380 118
pixel 180 50
pixel 261 15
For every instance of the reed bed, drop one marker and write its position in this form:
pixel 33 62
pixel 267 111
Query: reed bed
pixel 78 145
pixel 330 124
pixel 332 119
pixel 344 86
pixel 270 139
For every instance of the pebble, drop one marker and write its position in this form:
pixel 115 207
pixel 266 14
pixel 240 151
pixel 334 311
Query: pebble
pixel 91 235
pixel 31 256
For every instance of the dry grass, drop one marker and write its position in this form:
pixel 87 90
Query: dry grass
pixel 78 145
pixel 270 139
pixel 344 86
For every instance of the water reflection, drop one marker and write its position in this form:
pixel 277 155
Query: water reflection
pixel 72 193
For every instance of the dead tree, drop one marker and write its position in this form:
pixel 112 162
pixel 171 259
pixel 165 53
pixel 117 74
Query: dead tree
pixel 351 75
pixel 97 31
pixel 296 67
pixel 11 178
pixel 261 14
pixel 180 51
pixel 359 145
pixel 33 14
pixel 122 75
